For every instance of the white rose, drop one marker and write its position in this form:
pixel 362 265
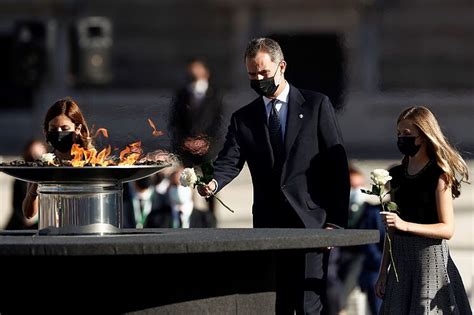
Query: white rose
pixel 48 158
pixel 380 176
pixel 188 177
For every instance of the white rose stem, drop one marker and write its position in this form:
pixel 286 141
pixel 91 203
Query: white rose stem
pixel 223 204
pixel 387 233
pixel 218 199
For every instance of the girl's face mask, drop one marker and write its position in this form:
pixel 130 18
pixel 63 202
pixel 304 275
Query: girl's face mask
pixel 61 140
pixel 407 146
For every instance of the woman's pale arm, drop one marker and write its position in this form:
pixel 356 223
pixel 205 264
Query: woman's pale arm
pixel 30 203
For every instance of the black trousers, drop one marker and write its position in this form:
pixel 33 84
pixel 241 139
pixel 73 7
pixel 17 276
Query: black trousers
pixel 301 282
pixel 300 276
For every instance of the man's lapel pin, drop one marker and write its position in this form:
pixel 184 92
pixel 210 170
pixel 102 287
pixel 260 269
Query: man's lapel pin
pixel 301 116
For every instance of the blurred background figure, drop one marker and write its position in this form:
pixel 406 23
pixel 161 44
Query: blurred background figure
pixel 372 253
pixel 144 206
pixel 357 266
pixel 196 116
pixel 184 211
pixel 195 122
pixel 181 200
pixel 32 151
pixel 160 201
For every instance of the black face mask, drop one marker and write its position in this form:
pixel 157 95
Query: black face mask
pixel 61 140
pixel 265 87
pixel 407 145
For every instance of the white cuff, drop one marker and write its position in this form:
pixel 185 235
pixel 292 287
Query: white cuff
pixel 217 185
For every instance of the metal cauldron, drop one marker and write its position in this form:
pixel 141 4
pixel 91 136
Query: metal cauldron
pixel 80 200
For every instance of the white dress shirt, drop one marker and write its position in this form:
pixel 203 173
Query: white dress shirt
pixel 281 106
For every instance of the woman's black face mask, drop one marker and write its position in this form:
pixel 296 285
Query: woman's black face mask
pixel 61 140
pixel 407 146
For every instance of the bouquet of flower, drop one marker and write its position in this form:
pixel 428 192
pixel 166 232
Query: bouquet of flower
pixel 380 178
pixel 189 178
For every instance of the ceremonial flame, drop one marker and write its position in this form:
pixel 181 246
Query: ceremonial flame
pixel 131 154
pixel 155 133
pixel 128 156
pixel 102 131
pixel 101 158
pixel 78 159
pixel 83 156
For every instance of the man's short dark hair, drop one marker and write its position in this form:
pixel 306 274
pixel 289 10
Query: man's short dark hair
pixel 264 44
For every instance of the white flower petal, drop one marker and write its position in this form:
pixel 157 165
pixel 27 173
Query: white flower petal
pixel 380 176
pixel 48 158
pixel 188 177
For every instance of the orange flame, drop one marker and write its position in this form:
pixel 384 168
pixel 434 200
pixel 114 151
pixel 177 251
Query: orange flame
pixel 78 156
pixel 102 131
pixel 100 158
pixel 83 156
pixel 131 154
pixel 155 133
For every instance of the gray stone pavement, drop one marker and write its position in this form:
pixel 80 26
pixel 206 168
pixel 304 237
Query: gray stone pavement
pixel 238 196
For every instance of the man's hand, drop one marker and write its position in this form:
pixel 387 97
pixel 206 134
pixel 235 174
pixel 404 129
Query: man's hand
pixel 207 190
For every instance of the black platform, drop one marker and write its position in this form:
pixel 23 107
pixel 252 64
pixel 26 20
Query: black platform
pixel 171 271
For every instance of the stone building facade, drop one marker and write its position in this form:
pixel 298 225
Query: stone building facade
pixel 373 58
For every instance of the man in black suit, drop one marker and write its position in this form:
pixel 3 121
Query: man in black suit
pixel 292 144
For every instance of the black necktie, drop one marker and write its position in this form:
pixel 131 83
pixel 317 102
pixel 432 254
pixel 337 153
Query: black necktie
pixel 275 132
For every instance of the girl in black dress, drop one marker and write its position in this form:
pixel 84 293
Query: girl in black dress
pixel 423 187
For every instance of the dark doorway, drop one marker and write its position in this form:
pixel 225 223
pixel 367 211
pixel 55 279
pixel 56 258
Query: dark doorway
pixel 315 62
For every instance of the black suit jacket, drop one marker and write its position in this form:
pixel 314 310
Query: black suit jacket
pixel 315 178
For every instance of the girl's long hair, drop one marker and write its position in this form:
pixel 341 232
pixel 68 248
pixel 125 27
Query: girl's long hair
pixel 446 156
pixel 70 109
